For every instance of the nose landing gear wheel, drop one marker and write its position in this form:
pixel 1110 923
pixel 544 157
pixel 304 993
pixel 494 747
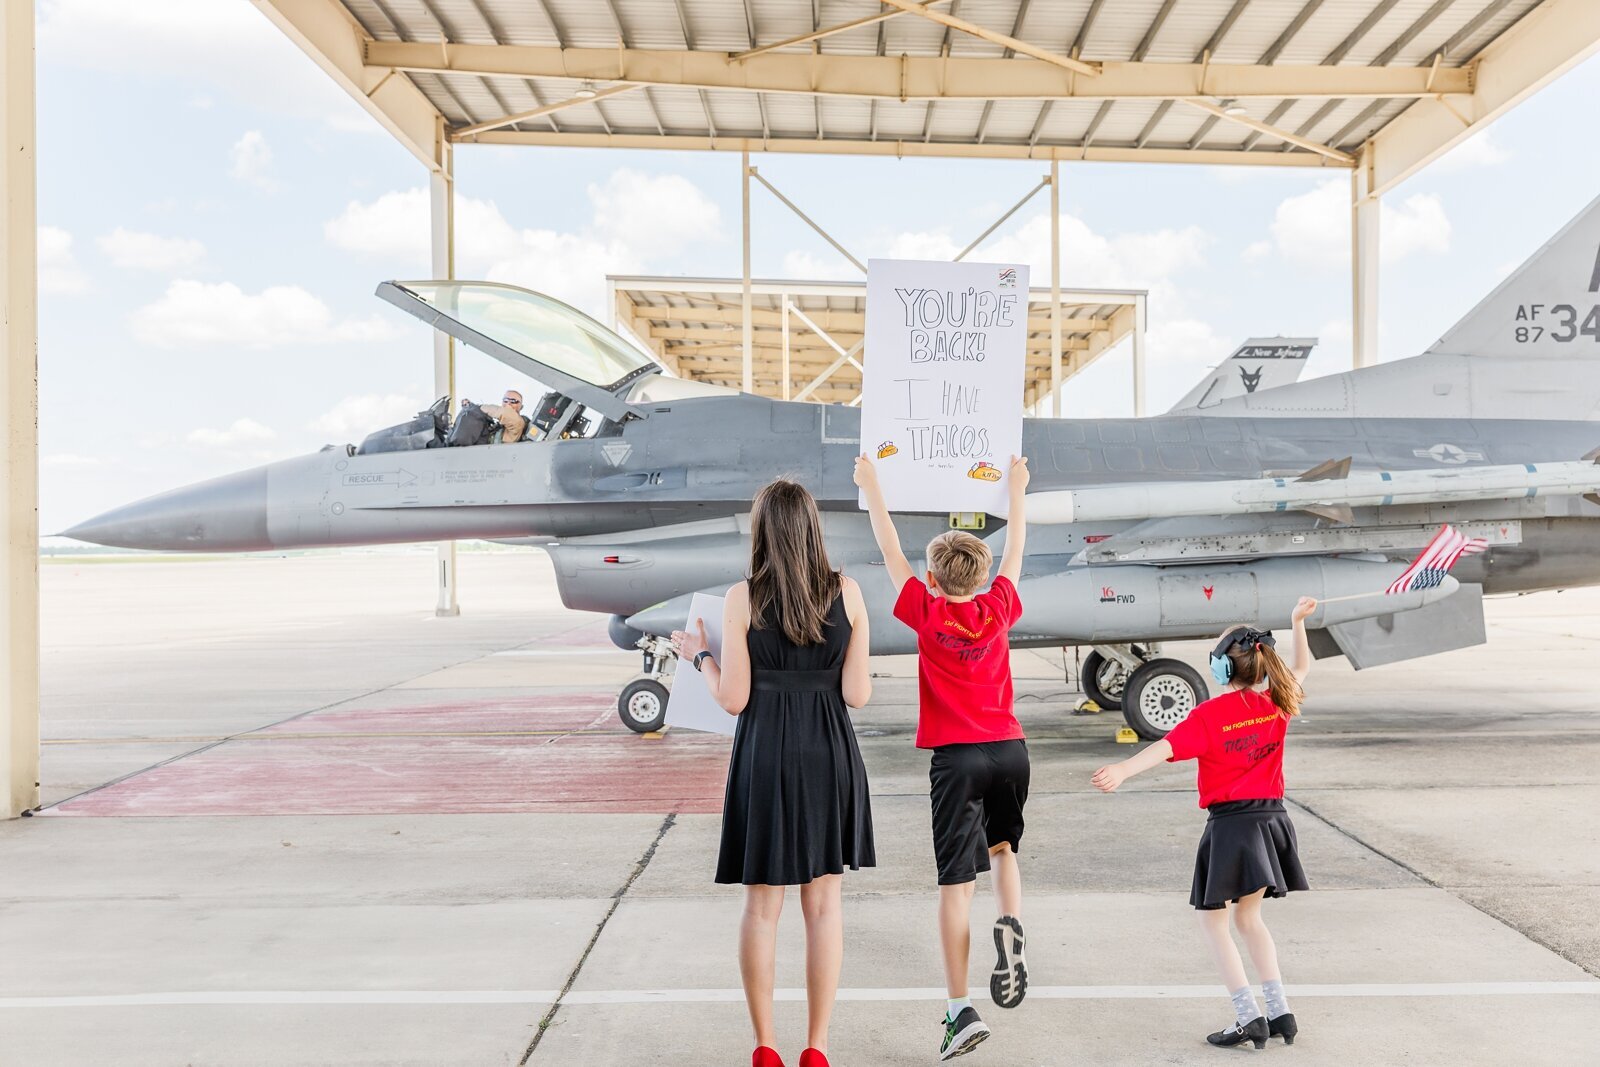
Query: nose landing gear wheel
pixel 1160 695
pixel 1104 681
pixel 642 705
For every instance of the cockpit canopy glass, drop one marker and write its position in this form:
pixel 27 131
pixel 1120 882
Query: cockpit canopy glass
pixel 540 328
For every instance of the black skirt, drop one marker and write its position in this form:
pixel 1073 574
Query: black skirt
pixel 1247 845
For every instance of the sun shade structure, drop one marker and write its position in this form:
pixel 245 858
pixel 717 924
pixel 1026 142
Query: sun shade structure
pixel 807 336
pixel 1263 82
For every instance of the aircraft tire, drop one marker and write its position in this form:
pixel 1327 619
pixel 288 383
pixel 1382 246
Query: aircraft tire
pixel 1104 681
pixel 1160 695
pixel 642 705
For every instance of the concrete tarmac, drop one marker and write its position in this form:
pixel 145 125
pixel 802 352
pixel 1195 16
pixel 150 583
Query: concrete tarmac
pixel 295 819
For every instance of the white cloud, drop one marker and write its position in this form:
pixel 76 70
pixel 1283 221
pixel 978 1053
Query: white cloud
pixel 1256 251
pixel 241 432
pixel 831 268
pixel 58 267
pixel 193 314
pixel 1479 150
pixel 1313 228
pixel 228 45
pixel 636 218
pixel 1416 224
pixel 149 251
pixel 249 160
pixel 356 416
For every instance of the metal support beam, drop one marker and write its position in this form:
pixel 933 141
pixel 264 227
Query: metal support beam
pixel 844 357
pixel 327 33
pixel 1044 55
pixel 442 235
pixel 967 149
pixel 910 77
pixel 829 31
pixel 1543 45
pixel 19 401
pixel 807 219
pixel 1140 320
pixel 1055 290
pixel 1002 219
pixel 783 302
pixel 546 109
pixel 1365 209
pixel 1271 131
pixel 744 318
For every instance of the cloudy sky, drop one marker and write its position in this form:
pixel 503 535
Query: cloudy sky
pixel 214 215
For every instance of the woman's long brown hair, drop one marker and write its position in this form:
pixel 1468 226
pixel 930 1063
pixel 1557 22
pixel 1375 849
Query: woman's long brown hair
pixel 792 584
pixel 1252 666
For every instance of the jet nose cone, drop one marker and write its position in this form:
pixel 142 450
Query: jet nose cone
pixel 227 514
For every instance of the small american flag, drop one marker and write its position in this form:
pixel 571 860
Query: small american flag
pixel 1427 571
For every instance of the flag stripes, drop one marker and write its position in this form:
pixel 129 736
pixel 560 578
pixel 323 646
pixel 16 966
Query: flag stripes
pixel 1427 571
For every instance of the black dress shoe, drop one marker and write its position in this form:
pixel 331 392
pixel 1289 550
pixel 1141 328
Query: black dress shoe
pixel 1255 1032
pixel 1284 1026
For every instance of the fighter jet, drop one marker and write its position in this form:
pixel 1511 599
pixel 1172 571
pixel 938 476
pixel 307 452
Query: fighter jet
pixel 1149 530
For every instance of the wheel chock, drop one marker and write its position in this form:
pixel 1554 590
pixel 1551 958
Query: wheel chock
pixel 1087 707
pixel 656 735
pixel 1125 736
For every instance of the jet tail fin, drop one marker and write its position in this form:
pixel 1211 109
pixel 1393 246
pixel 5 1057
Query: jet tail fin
pixel 1549 306
pixel 1260 363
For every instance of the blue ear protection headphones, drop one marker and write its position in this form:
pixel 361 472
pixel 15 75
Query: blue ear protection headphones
pixel 1244 636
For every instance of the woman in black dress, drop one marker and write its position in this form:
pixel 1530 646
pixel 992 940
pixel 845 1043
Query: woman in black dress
pixel 793 661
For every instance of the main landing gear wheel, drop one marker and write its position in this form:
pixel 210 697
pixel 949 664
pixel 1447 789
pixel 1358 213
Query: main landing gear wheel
pixel 1160 695
pixel 643 705
pixel 1104 681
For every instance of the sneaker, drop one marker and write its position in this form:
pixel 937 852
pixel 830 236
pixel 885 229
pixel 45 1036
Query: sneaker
pixel 1009 982
pixel 962 1034
pixel 1255 1032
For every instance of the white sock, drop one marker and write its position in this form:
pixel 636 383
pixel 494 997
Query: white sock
pixel 956 1004
pixel 1277 1000
pixel 1244 1005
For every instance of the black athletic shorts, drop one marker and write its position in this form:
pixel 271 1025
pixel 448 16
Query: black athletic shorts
pixel 978 794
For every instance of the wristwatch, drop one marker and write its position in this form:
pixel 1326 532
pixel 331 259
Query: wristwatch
pixel 698 656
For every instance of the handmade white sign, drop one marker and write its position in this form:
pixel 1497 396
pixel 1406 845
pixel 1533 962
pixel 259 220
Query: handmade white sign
pixel 941 395
pixel 691 705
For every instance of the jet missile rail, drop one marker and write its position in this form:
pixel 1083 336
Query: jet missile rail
pixel 1253 496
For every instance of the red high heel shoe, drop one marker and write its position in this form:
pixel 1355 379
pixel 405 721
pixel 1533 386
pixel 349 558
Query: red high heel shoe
pixel 812 1058
pixel 766 1057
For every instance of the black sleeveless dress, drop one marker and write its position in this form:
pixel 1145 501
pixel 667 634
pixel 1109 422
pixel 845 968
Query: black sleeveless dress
pixel 797 806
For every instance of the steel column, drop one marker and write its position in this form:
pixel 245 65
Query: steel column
pixel 442 211
pixel 1365 209
pixel 744 318
pixel 1055 289
pixel 19 400
pixel 1139 320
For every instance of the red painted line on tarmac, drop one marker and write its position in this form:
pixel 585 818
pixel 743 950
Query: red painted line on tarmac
pixel 337 774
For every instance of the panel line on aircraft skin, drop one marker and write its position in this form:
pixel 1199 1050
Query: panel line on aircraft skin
pixel 231 998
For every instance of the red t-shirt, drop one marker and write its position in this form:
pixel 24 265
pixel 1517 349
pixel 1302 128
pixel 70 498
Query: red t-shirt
pixel 1238 739
pixel 963 663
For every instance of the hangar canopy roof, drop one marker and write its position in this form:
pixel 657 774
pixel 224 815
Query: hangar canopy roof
pixel 692 325
pixel 1268 82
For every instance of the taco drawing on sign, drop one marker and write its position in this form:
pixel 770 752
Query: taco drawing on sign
pixel 984 472
pixel 887 449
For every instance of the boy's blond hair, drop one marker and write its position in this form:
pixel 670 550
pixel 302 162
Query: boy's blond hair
pixel 959 562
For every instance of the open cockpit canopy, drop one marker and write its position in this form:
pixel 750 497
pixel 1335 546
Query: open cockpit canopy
pixel 533 334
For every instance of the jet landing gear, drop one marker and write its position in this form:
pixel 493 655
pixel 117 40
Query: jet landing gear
pixel 1160 695
pixel 642 704
pixel 1153 693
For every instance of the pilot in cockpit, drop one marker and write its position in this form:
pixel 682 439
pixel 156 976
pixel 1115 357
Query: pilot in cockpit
pixel 508 413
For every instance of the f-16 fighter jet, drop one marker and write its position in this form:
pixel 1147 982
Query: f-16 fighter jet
pixel 638 484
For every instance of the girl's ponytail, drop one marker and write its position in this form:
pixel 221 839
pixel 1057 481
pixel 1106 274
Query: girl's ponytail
pixel 1282 685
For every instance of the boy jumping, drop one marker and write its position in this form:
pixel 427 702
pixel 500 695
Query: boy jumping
pixel 979 774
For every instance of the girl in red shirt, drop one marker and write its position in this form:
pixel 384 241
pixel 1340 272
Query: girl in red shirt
pixel 1248 850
